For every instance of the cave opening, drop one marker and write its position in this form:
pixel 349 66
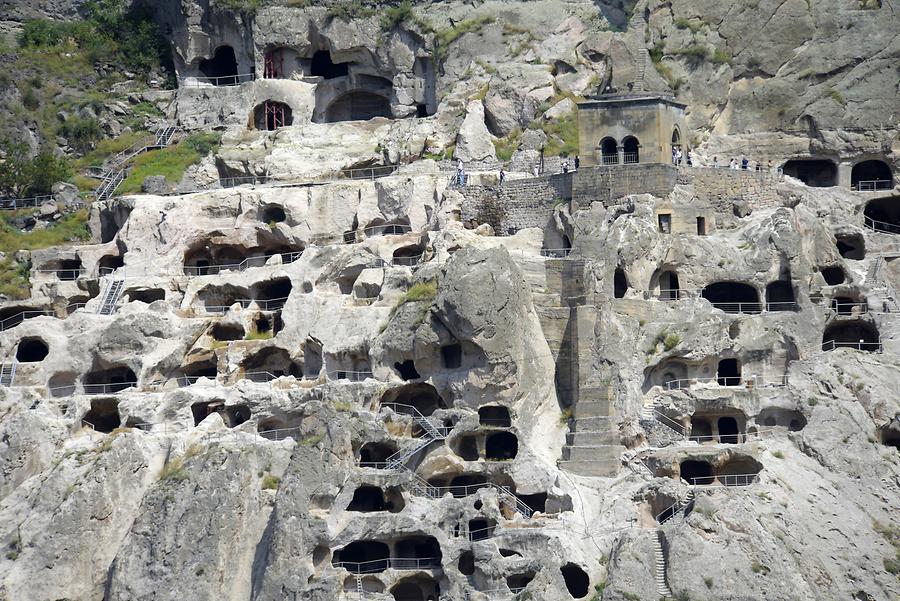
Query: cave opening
pixel 816 173
pixel 576 579
pixel 728 430
pixel 620 283
pixel 851 246
pixel 883 214
pixel 695 472
pixel 225 331
pixel 272 214
pixel 424 397
pixel 274 361
pixel 868 176
pixel 451 356
pixel 110 380
pixel 480 529
pixel 222 67
pixel 501 446
pixel 323 66
pixel 146 295
pixel 494 415
pixel 375 454
pixel 833 275
pixel 859 335
pixel 407 370
pixel 31 350
pixel 732 297
pixel 467 447
pixel 363 556
pixel 368 499
pixel 780 296
pixel 103 415
pixel 729 372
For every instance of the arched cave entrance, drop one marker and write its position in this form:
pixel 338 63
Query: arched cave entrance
pixel 620 283
pixel 376 454
pixel 859 335
pixel 270 115
pixel 368 498
pixel 851 246
pixel 501 446
pixel 114 379
pixel 883 214
pixel 630 148
pixel 733 297
pixel 833 275
pixel 321 65
pixel 222 67
pixel 780 296
pixel 363 556
pixel 103 415
pixel 816 173
pixel 576 579
pixel 494 415
pixel 868 176
pixel 424 397
pixel 696 473
pixel 358 105
pixel 609 152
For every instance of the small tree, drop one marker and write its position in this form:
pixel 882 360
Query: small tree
pixel 22 175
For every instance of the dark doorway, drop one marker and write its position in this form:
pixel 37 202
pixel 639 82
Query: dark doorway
pixel 407 370
pixel 501 446
pixel 451 356
pixel 31 350
pixel 322 66
pixel 869 176
pixel 609 152
pixel 375 454
pixel 859 335
pixel 668 286
pixel 696 473
pixel 729 372
pixel 816 173
pixel 363 556
pixel 620 283
pixel 424 397
pixel 665 223
pixel 630 148
pixel 494 415
pixel 851 246
pixel 780 296
pixel 222 66
pixel 272 214
pixel 701 226
pixel 109 381
pixel 733 297
pixel 883 214
pixel 728 430
pixel 577 580
pixel 701 429
pixel 271 115
pixel 103 415
pixel 359 105
pixel 833 275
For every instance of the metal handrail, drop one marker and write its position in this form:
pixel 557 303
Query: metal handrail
pixel 10 322
pixel 280 433
pixel 248 263
pixel 353 376
pixel 871 347
pixel 396 563
pixel 220 81
pixel 725 480
pixel 357 173
pixel 630 158
pixel 13 204
pixel 872 185
pixel 739 381
pixel 556 253
pixel 77 273
pixel 736 438
pixel 609 159
pixel 880 226
pixel 410 261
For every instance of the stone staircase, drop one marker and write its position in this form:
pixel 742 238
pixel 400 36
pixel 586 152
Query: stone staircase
pixel 662 586
pixel 557 289
pixel 643 58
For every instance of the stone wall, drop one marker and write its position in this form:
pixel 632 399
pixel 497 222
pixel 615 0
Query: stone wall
pixel 518 204
pixel 721 187
pixel 593 184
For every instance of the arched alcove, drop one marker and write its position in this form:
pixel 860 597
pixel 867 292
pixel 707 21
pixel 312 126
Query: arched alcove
pixel 358 105
pixel 733 297
pixel 816 173
pixel 871 175
pixel 424 397
pixel 883 214
pixel 321 65
pixel 609 152
pixel 851 246
pixel 631 149
pixel 222 66
pixel 859 335
pixel 833 275
pixel 270 115
pixel 620 283
pixel 780 296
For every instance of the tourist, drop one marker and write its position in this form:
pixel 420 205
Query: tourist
pixel 577 162
pixel 678 156
pixel 715 162
pixel 502 176
pixel 674 155
pixel 745 163
pixel 771 165
pixel 565 166
pixel 690 158
pixel 535 171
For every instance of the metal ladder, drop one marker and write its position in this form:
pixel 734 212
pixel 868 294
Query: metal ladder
pixel 111 297
pixel 8 373
pixel 109 184
pixel 359 587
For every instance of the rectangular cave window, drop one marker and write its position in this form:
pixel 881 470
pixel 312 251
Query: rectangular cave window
pixel 701 226
pixel 451 355
pixel 665 223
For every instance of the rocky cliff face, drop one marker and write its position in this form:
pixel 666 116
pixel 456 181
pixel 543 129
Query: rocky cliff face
pixel 329 384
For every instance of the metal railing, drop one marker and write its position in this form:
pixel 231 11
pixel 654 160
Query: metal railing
pixel 66 275
pixel 13 204
pixel 736 438
pixel 755 307
pixel 495 593
pixel 90 389
pixel 408 261
pixel 609 159
pixel 395 563
pixel 881 226
pixel 353 376
pixel 249 262
pixel 850 308
pixel 872 185
pixel 356 173
pixel 211 82
pixel 724 480
pixel 556 253
pixel 281 434
pixel 870 347
pixel 730 381
pixel 630 158
pixel 14 320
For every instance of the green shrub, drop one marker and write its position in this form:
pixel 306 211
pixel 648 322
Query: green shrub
pixel 247 7
pixel 671 341
pixel 270 482
pixel 693 54
pixel 173 470
pixel 396 15
pixel 723 57
pixel 30 99
pixel 778 454
pixel 506 146
pixel 837 97
pixel 204 144
pixel 82 133
pixel 683 23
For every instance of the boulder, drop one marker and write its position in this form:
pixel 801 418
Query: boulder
pixel 473 143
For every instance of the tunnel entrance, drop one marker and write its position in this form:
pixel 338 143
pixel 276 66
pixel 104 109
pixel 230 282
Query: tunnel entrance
pixel 859 335
pixel 620 283
pixel 224 331
pixel 576 579
pixel 322 66
pixel 424 397
pixel 883 214
pixel 407 370
pixel 833 276
pixel 146 295
pixel 451 356
pixel 274 361
pixel 728 430
pixel 103 415
pixel 278 289
pixel 780 296
pixel 816 173
pixel 696 472
pixel 466 446
pixel 668 286
pixel 466 563
pixel 868 176
pixel 729 372
pixel 222 67
pixel 418 547
pixel 701 429
pixel 363 556
pixel 732 297
pixel 358 105
pixel 109 381
pixel 270 115
pixel 501 446
pixel 375 454
pixel 889 436
pixel 517 582
pixel 851 246
pixel 787 418
pixel 494 415
pixel 416 588
pixel 272 214
pixel 368 498
pixel 31 350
